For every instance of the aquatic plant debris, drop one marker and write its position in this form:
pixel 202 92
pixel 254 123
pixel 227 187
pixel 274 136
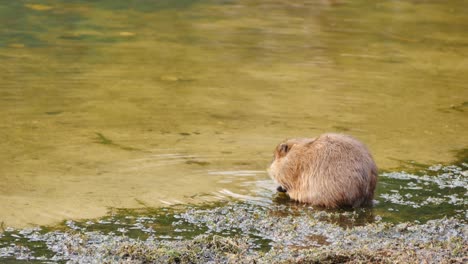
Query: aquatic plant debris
pixel 280 232
pixel 242 233
pixel 443 184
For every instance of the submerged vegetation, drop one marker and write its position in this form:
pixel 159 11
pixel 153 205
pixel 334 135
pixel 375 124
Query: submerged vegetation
pixel 242 233
pixel 101 139
pixel 278 232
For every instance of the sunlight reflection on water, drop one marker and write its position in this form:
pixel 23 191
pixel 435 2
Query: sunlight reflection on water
pixel 115 104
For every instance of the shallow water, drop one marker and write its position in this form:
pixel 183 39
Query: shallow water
pixel 148 103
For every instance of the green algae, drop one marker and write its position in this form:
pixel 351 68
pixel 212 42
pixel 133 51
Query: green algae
pixel 244 233
pixel 101 139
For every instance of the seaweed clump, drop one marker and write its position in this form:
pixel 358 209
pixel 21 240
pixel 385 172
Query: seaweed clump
pixel 248 233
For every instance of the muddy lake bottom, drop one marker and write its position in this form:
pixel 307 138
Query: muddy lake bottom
pixel 269 231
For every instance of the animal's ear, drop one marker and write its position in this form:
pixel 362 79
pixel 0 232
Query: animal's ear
pixel 284 148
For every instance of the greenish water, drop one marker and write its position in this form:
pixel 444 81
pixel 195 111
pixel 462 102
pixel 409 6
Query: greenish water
pixel 147 103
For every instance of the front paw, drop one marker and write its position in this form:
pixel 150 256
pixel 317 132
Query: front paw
pixel 281 189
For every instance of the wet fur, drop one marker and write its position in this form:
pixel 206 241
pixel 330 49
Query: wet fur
pixel 332 170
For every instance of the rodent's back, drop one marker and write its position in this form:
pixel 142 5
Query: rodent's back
pixel 331 170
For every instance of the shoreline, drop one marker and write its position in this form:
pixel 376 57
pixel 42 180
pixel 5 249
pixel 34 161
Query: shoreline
pixel 419 217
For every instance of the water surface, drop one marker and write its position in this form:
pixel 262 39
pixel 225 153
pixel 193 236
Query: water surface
pixel 149 103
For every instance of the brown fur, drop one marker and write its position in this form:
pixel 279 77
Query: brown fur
pixel 332 170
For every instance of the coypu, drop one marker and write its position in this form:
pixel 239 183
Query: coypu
pixel 331 170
